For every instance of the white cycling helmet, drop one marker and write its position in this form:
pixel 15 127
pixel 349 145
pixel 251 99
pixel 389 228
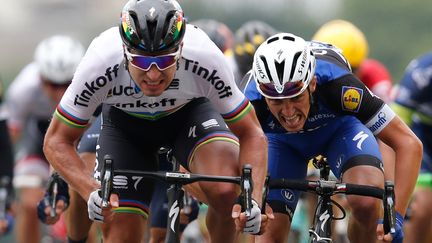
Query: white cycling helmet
pixel 283 66
pixel 57 58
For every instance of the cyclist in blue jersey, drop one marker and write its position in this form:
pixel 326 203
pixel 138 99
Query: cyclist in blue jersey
pixel 309 103
pixel 414 105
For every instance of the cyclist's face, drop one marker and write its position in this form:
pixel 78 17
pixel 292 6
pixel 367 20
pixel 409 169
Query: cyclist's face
pixel 54 91
pixel 152 82
pixel 292 113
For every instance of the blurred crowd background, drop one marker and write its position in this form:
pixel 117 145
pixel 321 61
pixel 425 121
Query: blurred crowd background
pixel 396 31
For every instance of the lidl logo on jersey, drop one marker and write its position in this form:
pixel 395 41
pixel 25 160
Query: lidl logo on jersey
pixel 351 98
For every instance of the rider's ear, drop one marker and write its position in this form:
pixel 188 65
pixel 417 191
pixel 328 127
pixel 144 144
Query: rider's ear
pixel 312 85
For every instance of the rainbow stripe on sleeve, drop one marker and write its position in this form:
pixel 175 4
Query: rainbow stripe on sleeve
pixel 239 112
pixel 69 119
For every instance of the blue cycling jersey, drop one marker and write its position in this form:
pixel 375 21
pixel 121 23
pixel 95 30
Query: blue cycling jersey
pixel 414 104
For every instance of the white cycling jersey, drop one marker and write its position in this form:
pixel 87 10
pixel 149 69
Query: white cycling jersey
pixel 102 78
pixel 25 98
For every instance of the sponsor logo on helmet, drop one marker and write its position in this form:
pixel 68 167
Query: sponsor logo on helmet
pixel 303 61
pixel 90 88
pixel 176 28
pixel 261 73
pixel 351 98
pixel 212 77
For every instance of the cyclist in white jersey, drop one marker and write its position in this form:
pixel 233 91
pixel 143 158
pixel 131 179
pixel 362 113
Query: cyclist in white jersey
pixel 29 103
pixel 161 90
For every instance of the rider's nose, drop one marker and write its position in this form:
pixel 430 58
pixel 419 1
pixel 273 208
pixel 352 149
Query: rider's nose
pixel 288 108
pixel 154 73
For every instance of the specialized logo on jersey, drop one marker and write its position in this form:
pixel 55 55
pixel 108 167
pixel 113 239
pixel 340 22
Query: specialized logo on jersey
pixel 211 76
pixel 192 132
pixel 360 137
pixel 351 98
pixel 288 195
pixel 83 98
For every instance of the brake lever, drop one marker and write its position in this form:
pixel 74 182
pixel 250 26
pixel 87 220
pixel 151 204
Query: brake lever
pixel 389 210
pixel 107 180
pixel 247 188
pixel 53 192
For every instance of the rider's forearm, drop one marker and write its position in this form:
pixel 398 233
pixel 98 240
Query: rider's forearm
pixel 408 161
pixel 254 151
pixel 65 160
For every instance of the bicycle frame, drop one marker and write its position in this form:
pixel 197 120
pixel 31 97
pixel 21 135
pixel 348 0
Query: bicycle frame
pixel 175 192
pixel 321 230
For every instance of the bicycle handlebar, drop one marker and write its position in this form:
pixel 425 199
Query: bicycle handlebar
pixel 326 187
pixel 179 178
pixel 323 187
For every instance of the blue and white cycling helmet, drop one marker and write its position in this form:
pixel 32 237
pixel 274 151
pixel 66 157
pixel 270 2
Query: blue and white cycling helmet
pixel 283 66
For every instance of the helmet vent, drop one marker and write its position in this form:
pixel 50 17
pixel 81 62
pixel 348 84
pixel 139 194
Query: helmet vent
pixel 169 19
pixel 272 39
pixel 280 70
pixel 308 72
pixel 266 68
pixel 290 38
pixel 293 64
pixel 151 25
